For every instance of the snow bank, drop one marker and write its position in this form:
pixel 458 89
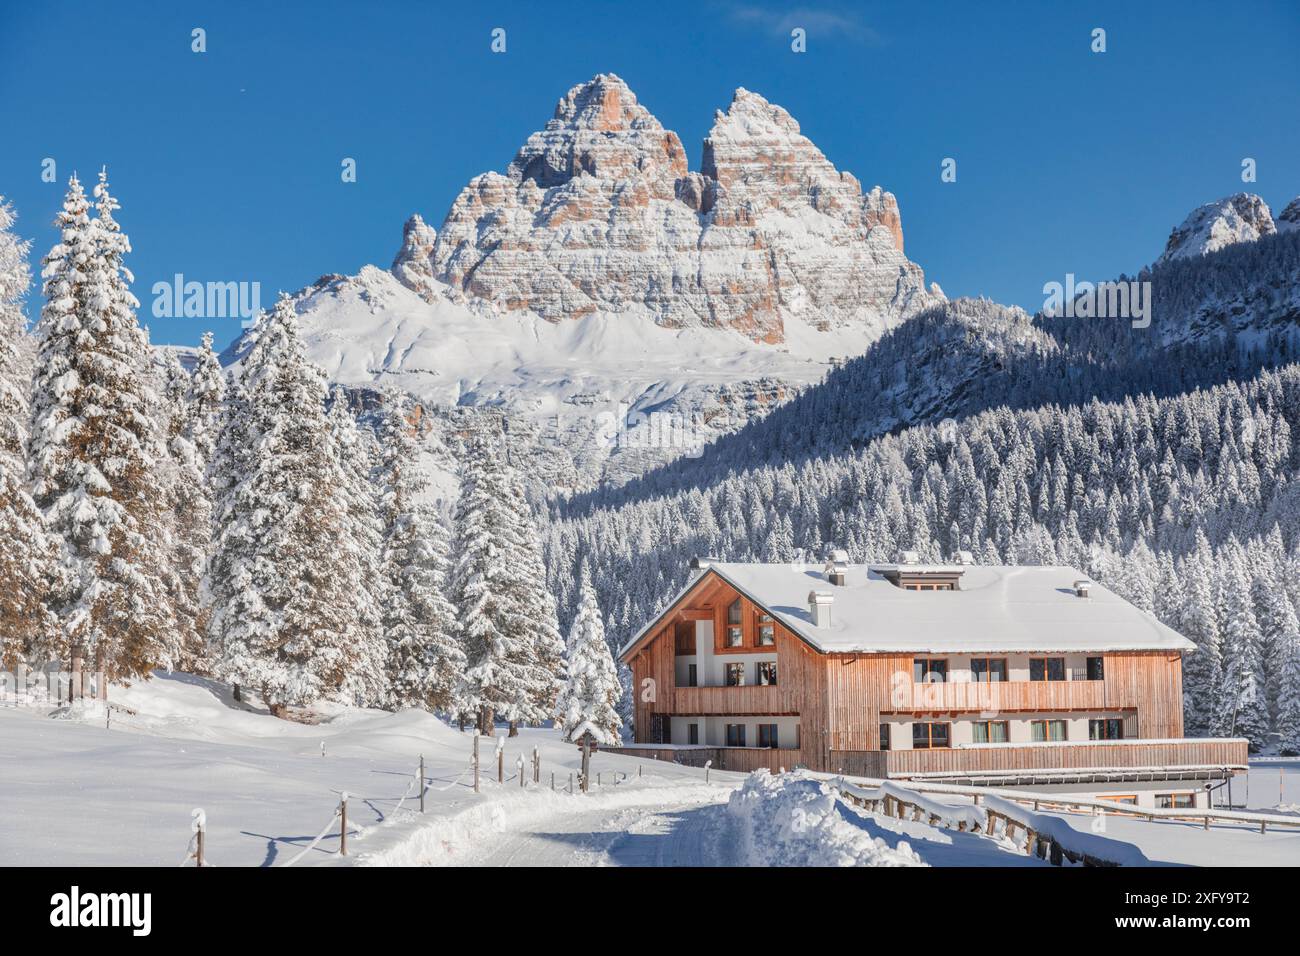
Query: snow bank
pixel 795 820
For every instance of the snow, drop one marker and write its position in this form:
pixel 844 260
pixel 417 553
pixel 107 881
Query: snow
pixel 998 608
pixel 75 793
pixel 576 379
pixel 804 823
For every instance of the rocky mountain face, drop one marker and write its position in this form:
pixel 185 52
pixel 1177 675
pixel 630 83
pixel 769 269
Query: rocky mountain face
pixel 1243 217
pixel 599 214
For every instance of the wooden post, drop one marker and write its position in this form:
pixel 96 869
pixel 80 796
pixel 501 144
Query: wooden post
pixel 476 761
pixel 586 762
pixel 343 829
pixel 552 780
pixel 200 827
pixel 1207 822
pixel 638 770
pixel 421 783
pixel 537 765
pixel 501 760
pixel 519 765
pixel 570 781
pixel 598 783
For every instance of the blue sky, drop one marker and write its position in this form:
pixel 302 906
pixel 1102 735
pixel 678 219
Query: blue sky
pixel 227 163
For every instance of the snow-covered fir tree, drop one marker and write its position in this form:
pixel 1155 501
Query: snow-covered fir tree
pixel 498 596
pixel 589 699
pixel 367 677
pixel 426 661
pixel 96 449
pixel 281 581
pixel 182 475
pixel 207 390
pixel 26 555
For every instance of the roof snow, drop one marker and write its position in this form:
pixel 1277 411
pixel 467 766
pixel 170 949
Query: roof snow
pixel 997 609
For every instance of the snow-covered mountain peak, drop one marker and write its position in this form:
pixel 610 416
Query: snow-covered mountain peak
pixel 1289 218
pixel 598 213
pixel 1243 217
pixel 412 265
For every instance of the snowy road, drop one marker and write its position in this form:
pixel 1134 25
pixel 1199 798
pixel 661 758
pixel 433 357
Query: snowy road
pixel 690 835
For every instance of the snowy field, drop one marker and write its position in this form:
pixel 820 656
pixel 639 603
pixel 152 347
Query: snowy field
pixel 76 793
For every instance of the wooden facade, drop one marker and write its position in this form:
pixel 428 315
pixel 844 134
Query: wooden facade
pixel 840 700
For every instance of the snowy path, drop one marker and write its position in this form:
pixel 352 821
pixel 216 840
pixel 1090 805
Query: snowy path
pixel 674 835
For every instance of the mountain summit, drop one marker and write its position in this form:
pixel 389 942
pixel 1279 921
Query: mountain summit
pixel 599 213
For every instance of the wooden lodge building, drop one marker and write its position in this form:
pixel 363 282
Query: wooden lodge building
pixel 1016 676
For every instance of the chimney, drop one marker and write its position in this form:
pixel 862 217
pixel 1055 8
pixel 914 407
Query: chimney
pixel 1081 587
pixel 837 566
pixel 819 606
pixel 701 564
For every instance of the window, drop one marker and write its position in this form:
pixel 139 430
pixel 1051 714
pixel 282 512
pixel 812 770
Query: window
pixel 928 671
pixel 692 733
pixel 1096 668
pixel 765 628
pixel 929 736
pixel 988 670
pixel 1175 801
pixel 735 634
pixel 692 676
pixel 767 735
pixel 735 675
pixel 735 735
pixel 1047 668
pixel 684 638
pixel 990 731
pixel 767 673
pixel 1129 798
pixel 884 736
pixel 1108 728
pixel 1046 730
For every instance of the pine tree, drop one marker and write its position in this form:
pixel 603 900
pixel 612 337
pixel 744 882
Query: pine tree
pixel 495 590
pixel 96 449
pixel 426 662
pixel 279 581
pixel 26 557
pixel 207 389
pixel 1288 701
pixel 359 556
pixel 589 700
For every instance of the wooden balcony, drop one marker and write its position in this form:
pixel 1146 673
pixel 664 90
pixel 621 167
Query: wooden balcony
pixel 1136 755
pixel 997 696
pixel 756 699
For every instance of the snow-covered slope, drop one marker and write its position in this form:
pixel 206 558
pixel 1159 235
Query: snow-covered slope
pixel 590 387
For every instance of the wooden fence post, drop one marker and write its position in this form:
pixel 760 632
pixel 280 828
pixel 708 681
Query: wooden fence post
pixel 501 760
pixel 476 761
pixel 519 765
pixel 421 783
pixel 343 828
pixel 586 763
pixel 200 827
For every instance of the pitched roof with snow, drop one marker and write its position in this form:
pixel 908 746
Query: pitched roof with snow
pixel 996 609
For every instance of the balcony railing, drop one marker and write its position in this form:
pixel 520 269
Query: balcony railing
pixel 745 699
pixel 1082 755
pixel 997 696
